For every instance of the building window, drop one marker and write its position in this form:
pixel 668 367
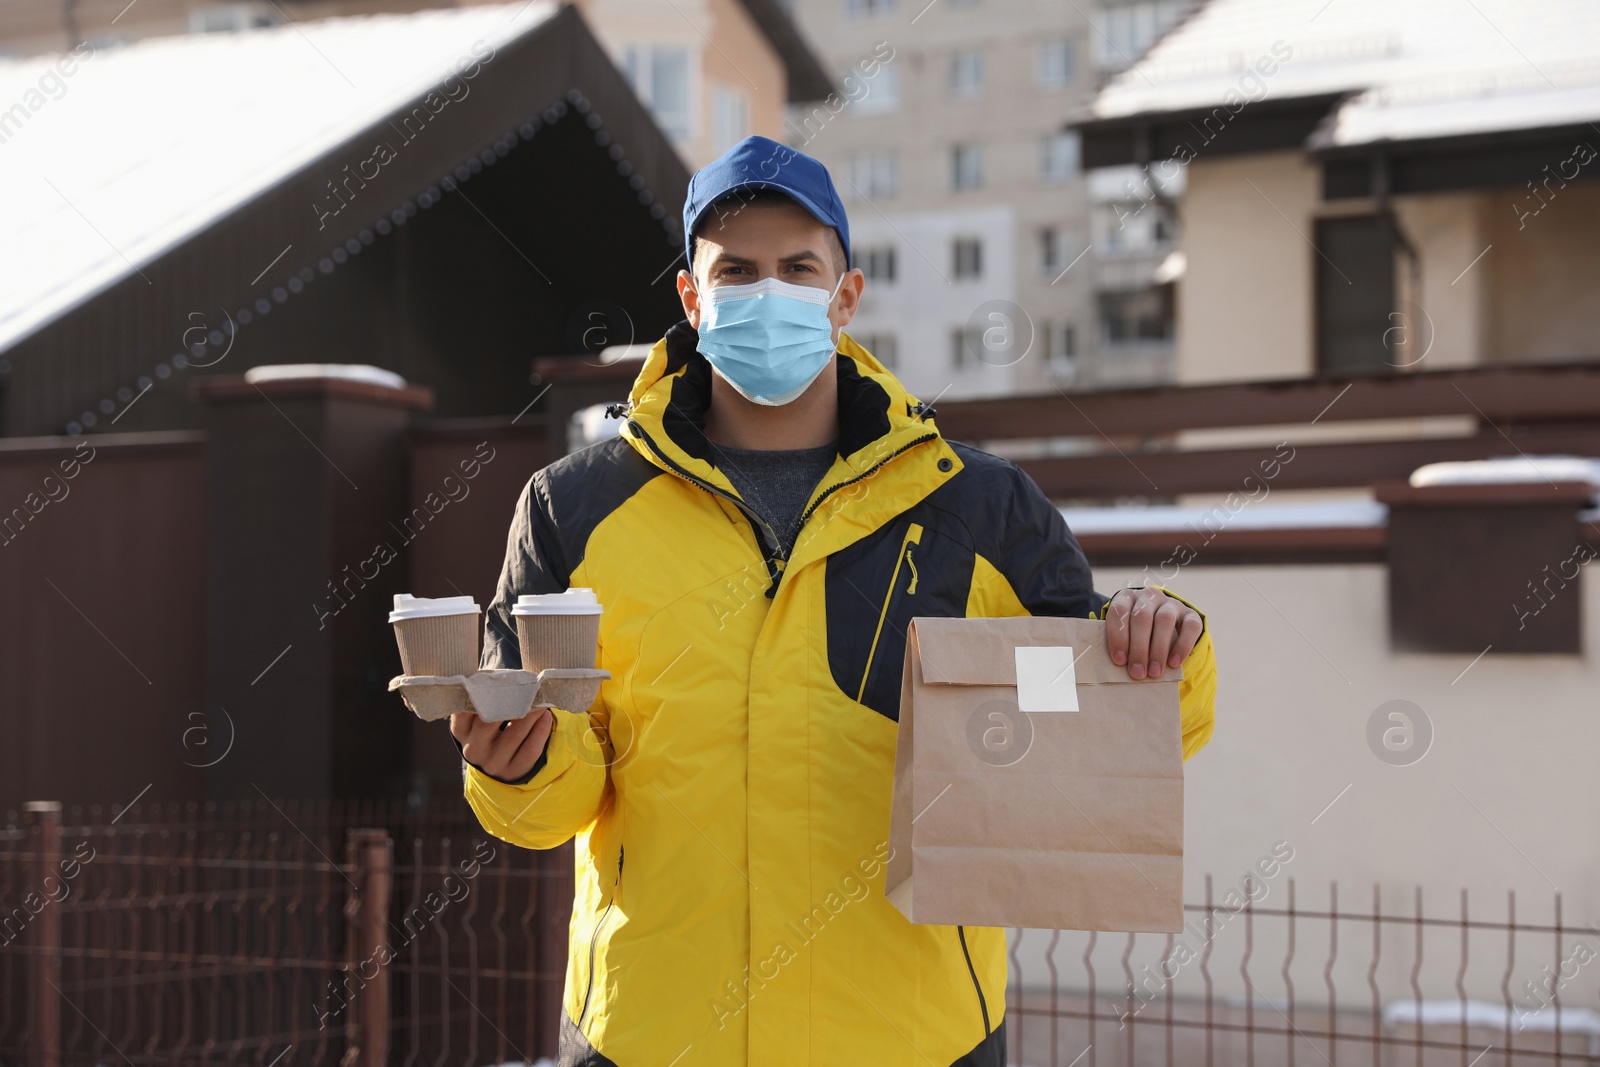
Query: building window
pixel 660 75
pixel 1050 258
pixel 1059 348
pixel 874 175
pixel 877 263
pixel 1052 67
pixel 1355 294
pixel 861 9
pixel 881 345
pixel 1127 30
pixel 1058 157
pixel 730 118
pixel 232 18
pixel 966 74
pixel 1060 341
pixel 962 349
pixel 1139 315
pixel 966 167
pixel 1127 228
pixel 882 90
pixel 966 257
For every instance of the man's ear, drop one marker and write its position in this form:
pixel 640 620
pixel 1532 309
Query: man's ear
pixel 849 301
pixel 689 296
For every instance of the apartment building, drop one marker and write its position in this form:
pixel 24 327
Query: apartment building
pixel 993 265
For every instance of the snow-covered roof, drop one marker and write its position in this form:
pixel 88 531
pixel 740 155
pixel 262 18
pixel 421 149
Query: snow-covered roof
pixel 1417 68
pixel 144 145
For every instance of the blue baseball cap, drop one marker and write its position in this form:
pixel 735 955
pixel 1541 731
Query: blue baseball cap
pixel 762 163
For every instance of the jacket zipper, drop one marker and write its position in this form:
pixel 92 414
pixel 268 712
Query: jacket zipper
pixel 771 554
pixel 817 503
pixel 594 939
pixel 961 932
pixel 913 537
pixel 775 557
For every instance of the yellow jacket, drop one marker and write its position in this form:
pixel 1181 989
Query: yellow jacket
pixel 729 790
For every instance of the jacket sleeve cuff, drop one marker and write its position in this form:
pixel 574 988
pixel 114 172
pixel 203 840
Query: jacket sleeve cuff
pixel 565 795
pixel 1185 603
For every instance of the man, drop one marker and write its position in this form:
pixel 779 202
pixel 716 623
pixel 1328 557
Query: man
pixel 776 511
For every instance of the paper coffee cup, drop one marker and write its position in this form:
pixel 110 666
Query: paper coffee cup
pixel 437 637
pixel 558 629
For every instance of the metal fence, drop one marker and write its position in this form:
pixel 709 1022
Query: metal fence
pixel 1270 986
pixel 277 934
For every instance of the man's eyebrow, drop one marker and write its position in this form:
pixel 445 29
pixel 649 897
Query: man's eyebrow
pixel 799 256
pixel 729 259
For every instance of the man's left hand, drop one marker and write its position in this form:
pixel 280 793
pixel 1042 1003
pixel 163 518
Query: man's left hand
pixel 1149 631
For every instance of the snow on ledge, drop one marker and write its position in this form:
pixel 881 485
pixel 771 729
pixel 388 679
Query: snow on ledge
pixel 349 372
pixel 1478 1013
pixel 1509 470
pixel 1310 515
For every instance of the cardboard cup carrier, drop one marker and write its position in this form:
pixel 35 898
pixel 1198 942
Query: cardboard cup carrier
pixel 559 634
pixel 558 630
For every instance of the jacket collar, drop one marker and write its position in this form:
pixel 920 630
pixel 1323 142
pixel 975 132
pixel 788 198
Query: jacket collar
pixel 668 402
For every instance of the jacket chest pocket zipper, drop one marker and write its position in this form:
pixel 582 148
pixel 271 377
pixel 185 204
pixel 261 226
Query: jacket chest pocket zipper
pixel 594 940
pixel 904 561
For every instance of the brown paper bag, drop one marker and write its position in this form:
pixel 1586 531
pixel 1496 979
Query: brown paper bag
pixel 1034 818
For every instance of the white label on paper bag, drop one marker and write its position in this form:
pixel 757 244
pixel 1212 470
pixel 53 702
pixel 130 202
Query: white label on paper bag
pixel 1046 680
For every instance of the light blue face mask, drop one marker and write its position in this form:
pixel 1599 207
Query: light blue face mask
pixel 769 339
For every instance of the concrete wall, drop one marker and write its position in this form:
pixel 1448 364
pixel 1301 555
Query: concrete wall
pixel 1451 311
pixel 1245 305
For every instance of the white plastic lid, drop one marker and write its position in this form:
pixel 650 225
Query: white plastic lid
pixel 572 602
pixel 407 606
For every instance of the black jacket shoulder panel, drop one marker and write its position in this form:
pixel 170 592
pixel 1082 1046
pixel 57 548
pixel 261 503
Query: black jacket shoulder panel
pixel 1013 525
pixel 559 508
pixel 970 502
pixel 581 489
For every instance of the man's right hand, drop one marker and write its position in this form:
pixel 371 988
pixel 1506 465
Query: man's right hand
pixel 505 750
